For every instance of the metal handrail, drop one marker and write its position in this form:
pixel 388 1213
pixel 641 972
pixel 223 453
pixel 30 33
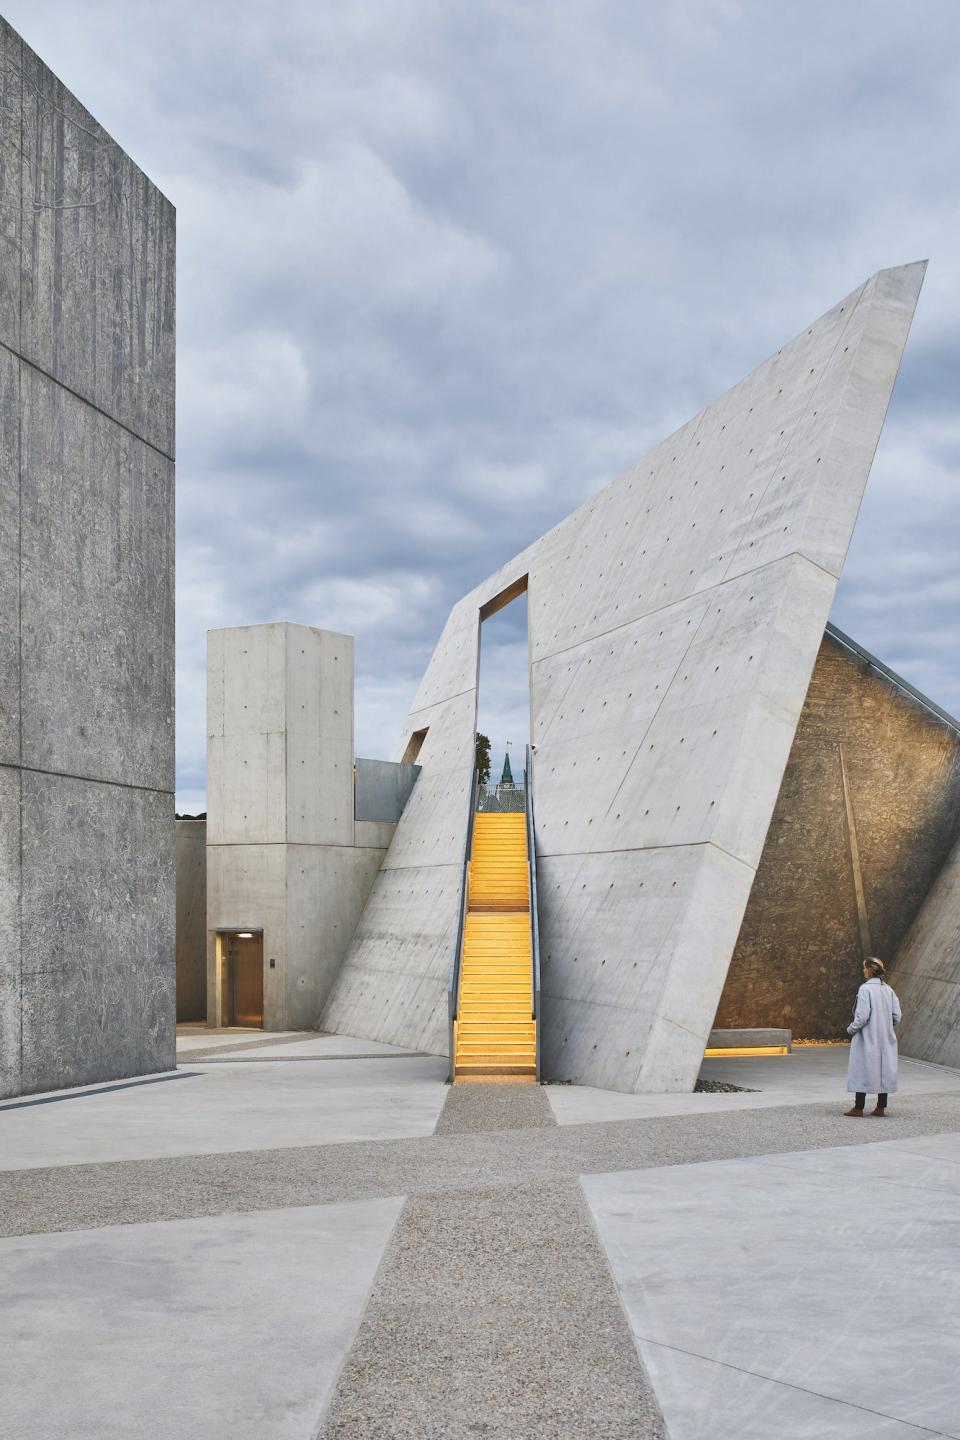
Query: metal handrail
pixel 453 984
pixel 534 918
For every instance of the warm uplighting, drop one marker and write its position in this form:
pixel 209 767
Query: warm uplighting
pixel 751 1050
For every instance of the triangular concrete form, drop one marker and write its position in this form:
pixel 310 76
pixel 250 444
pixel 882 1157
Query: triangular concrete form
pixel 926 974
pixel 674 621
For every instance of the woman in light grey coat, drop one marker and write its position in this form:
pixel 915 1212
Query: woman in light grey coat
pixel 873 1048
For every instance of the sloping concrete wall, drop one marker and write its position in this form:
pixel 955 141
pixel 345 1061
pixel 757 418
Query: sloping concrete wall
pixel 87 336
pixel 191 920
pixel 926 974
pixel 867 814
pixel 674 621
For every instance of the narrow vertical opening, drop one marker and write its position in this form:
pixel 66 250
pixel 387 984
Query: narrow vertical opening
pixel 503 699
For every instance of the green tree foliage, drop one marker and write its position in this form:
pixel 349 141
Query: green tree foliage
pixel 483 758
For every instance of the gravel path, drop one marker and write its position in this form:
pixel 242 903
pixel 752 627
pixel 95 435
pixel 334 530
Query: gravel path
pixel 76 1197
pixel 494 1313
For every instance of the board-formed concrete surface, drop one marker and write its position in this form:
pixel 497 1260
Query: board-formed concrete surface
pixel 229 1328
pixel 926 973
pixel 87 340
pixel 674 622
pixel 825 1290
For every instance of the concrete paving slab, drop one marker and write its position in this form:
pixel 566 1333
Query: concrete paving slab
pixel 811 1075
pixel 229 1108
pixel 819 1272
pixel 318 1047
pixel 821 1070
pixel 749 1405
pixel 194 1038
pixel 231 1328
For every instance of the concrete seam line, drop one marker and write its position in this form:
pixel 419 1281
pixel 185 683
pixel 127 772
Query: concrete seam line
pixel 81 1094
pixel 86 779
pixel 592 1222
pixel 85 400
pixel 790 1385
pixel 317 1432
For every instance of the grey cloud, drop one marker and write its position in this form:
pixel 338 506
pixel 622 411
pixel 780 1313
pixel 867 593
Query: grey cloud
pixel 446 268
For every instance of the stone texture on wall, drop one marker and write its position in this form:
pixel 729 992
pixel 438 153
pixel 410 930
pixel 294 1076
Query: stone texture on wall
pixel 798 958
pixel 926 973
pixel 87 336
pixel 674 622
pixel 191 920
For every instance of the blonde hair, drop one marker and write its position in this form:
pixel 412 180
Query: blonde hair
pixel 877 966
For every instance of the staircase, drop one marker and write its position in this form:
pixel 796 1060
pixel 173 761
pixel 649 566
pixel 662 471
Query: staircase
pixel 496 1031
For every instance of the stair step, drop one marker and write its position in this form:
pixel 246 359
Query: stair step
pixel 488 1015
pixel 496 1044
pixel 528 1059
pixel 518 1070
pixel 517 984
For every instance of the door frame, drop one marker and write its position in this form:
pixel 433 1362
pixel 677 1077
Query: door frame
pixel 221 969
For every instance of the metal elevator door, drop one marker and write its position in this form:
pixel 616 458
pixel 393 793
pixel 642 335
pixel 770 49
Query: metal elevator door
pixel 245 980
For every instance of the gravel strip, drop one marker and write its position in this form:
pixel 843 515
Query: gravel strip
pixel 74 1197
pixel 494 1315
pixel 476 1105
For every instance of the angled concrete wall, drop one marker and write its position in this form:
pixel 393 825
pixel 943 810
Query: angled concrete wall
pixel 926 974
pixel 674 622
pixel 87 334
pixel 867 814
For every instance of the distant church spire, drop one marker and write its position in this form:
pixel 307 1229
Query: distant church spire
pixel 507 777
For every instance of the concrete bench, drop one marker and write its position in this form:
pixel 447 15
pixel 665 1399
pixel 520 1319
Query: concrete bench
pixel 767 1041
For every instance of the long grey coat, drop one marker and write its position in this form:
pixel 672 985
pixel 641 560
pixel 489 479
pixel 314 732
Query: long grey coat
pixel 873 1049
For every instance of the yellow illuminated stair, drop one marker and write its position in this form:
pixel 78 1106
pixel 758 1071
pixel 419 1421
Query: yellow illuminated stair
pixel 496 1032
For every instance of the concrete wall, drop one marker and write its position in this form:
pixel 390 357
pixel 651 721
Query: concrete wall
pixel 674 622
pixel 867 814
pixel 191 920
pixel 382 789
pixel 926 974
pixel 87 334
pixel 285 853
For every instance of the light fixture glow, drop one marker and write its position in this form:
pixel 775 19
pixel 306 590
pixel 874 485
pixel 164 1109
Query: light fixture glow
pixel 244 934
pixel 725 1054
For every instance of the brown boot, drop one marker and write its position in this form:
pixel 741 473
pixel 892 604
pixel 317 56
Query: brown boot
pixel 857 1110
pixel 879 1110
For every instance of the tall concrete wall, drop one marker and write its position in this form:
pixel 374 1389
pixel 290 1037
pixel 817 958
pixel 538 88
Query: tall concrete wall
pixel 674 622
pixel 87 334
pixel 926 974
pixel 866 816
pixel 191 920
pixel 285 853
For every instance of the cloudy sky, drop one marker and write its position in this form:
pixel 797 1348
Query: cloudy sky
pixel 448 266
